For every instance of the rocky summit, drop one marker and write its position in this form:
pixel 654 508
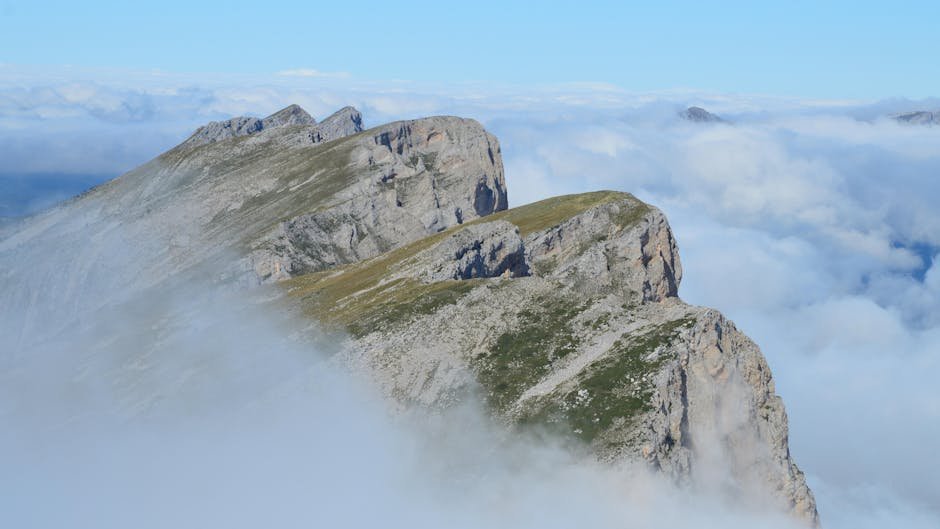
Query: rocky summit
pixel 343 123
pixel 700 115
pixel 563 315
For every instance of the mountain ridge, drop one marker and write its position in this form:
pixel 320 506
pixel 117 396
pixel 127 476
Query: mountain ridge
pixel 590 340
pixel 563 314
pixel 341 123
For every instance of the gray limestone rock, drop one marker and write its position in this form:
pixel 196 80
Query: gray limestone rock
pixel 222 130
pixel 489 249
pixel 413 179
pixel 290 115
pixel 344 122
pixel 638 257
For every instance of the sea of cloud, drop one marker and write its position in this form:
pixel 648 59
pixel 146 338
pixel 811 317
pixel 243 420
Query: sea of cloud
pixel 193 405
pixel 819 235
pixel 812 224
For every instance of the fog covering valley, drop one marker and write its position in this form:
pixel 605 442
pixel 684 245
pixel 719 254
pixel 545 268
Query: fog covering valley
pixel 199 404
pixel 812 224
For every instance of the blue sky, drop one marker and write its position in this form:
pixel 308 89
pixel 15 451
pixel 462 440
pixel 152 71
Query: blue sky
pixel 809 49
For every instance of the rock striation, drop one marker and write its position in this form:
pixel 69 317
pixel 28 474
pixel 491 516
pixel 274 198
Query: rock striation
pixel 563 315
pixel 413 179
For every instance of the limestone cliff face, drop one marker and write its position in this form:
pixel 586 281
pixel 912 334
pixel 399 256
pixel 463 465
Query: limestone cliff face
pixel 252 208
pixel 415 178
pixel 562 315
pixel 714 412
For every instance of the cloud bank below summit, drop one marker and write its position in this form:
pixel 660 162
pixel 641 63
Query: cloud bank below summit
pixel 812 224
pixel 818 235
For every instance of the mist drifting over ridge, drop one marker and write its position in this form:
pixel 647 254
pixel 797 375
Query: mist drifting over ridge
pixel 195 404
pixel 813 248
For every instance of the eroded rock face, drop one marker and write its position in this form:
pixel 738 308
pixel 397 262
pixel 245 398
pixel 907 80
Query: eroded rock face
pixel 489 249
pixel 290 115
pixel 225 207
pixel 414 179
pixel 639 256
pixel 715 418
pixel 222 130
pixel 345 122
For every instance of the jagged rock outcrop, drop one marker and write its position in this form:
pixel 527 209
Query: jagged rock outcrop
pixel 700 115
pixel 290 115
pixel 563 314
pixel 415 178
pixel 490 249
pixel 920 117
pixel 222 130
pixel 642 266
pixel 345 122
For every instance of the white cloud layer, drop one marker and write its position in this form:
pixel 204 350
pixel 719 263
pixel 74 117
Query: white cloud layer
pixel 813 224
pixel 819 235
pixel 310 72
pixel 189 406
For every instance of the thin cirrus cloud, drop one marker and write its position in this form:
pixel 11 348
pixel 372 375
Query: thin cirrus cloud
pixel 811 223
pixel 312 73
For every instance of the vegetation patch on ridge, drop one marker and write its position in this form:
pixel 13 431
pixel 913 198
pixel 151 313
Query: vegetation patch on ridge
pixel 355 296
pixel 550 212
pixel 611 391
pixel 521 356
pixel 360 297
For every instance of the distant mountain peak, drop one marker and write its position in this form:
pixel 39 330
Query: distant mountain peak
pixel 700 115
pixel 289 115
pixel 918 117
pixel 344 122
